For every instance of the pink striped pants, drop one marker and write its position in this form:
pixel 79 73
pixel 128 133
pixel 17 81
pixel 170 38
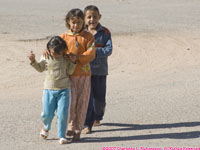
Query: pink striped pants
pixel 80 94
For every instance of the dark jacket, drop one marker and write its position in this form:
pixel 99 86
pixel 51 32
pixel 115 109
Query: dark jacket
pixel 103 44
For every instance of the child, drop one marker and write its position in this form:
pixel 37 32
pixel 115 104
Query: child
pixel 99 67
pixel 80 43
pixel 56 84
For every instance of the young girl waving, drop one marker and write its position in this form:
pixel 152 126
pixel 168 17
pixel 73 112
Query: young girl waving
pixel 56 86
pixel 81 44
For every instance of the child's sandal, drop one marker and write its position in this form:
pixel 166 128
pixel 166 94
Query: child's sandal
pixel 63 141
pixel 70 133
pixel 76 137
pixel 44 134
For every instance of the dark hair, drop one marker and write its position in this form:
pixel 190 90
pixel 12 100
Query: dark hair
pixel 57 43
pixel 76 12
pixel 91 7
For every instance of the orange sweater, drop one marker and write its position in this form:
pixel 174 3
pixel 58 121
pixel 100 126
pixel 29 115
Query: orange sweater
pixel 82 45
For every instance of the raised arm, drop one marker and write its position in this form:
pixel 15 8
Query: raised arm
pixel 39 66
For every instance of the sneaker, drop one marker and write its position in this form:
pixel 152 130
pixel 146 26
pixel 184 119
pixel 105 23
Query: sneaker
pixel 96 123
pixel 63 141
pixel 86 130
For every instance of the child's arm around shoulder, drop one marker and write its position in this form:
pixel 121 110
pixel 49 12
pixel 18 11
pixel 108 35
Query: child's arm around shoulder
pixel 39 66
pixel 106 50
pixel 90 53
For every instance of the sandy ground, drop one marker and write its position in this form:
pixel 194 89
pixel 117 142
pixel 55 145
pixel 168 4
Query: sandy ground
pixel 153 83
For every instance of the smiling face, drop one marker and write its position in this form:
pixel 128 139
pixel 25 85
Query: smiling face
pixel 92 18
pixel 76 24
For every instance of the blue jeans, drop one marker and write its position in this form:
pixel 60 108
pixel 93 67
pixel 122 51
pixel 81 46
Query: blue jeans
pixel 56 100
pixel 97 101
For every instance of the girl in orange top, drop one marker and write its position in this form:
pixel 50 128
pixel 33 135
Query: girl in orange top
pixel 80 43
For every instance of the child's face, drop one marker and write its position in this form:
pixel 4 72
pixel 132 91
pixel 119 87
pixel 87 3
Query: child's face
pixel 92 19
pixel 76 24
pixel 56 55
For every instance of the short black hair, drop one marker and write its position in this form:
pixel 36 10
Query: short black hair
pixel 91 7
pixel 56 43
pixel 76 12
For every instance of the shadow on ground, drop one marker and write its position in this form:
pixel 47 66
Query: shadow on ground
pixel 129 127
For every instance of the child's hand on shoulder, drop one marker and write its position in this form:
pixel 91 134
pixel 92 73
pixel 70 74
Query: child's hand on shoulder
pixel 32 57
pixel 46 53
pixel 71 57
